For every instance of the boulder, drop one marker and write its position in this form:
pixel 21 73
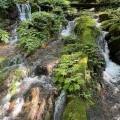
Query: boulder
pixel 103 16
pixel 114 47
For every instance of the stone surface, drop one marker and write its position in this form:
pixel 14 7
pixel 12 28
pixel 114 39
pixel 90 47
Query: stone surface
pixel 107 105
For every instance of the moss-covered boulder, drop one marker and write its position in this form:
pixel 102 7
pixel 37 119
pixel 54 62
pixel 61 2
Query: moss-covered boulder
pixel 107 24
pixel 34 7
pixel 75 110
pixel 114 46
pixel 103 16
pixel 46 6
pixel 113 39
pixel 115 29
pixel 86 29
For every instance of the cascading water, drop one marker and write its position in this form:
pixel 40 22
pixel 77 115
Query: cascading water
pixel 66 31
pixel 24 11
pixel 13 38
pixel 112 70
pixel 17 61
pixel 59 106
pixel 60 101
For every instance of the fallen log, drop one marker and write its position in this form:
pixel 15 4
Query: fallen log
pixel 90 5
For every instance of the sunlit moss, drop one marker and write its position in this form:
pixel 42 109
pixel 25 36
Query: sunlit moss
pixel 16 76
pixel 75 110
pixel 86 28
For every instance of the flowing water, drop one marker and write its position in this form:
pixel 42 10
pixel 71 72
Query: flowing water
pixel 112 70
pixel 15 62
pixel 60 101
pixel 59 106
pixel 67 30
pixel 24 11
pixel 13 38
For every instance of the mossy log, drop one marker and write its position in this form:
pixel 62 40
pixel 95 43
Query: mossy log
pixel 90 5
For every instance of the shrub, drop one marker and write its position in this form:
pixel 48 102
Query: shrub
pixel 70 74
pixel 38 30
pixel 62 3
pixel 4 36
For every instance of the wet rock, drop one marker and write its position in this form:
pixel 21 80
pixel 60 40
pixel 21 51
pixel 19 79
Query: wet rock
pixel 46 7
pixel 38 105
pixel 114 47
pixel 107 104
pixel 41 70
pixel 103 17
pixel 14 14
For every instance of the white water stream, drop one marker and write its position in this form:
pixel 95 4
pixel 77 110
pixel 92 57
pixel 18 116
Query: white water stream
pixel 24 11
pixel 67 30
pixel 111 74
pixel 60 101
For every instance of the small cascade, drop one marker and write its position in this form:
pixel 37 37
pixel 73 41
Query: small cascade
pixel 112 70
pixel 24 11
pixel 59 106
pixel 16 61
pixel 13 38
pixel 61 99
pixel 39 8
pixel 66 31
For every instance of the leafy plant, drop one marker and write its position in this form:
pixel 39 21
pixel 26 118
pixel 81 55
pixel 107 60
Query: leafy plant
pixel 38 30
pixel 4 36
pixel 70 74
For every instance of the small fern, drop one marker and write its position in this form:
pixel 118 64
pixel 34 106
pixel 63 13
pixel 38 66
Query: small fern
pixel 4 36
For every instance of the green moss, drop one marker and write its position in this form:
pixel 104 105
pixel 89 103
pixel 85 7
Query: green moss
pixel 34 7
pixel 71 39
pixel 4 23
pixel 21 1
pixel 104 16
pixel 108 23
pixel 2 59
pixel 75 110
pixel 86 28
pixel 3 62
pixel 115 28
pixel 71 48
pixel 3 75
pixel 16 75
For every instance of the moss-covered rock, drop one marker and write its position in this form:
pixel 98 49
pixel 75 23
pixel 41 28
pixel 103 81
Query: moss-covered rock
pixel 34 7
pixel 107 23
pixel 114 46
pixel 115 29
pixel 75 110
pixel 16 75
pixel 86 28
pixel 103 16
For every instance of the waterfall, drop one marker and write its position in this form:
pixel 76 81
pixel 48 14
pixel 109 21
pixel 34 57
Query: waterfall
pixel 24 11
pixel 59 106
pixel 39 8
pixel 112 70
pixel 66 31
pixel 13 38
pixel 61 99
